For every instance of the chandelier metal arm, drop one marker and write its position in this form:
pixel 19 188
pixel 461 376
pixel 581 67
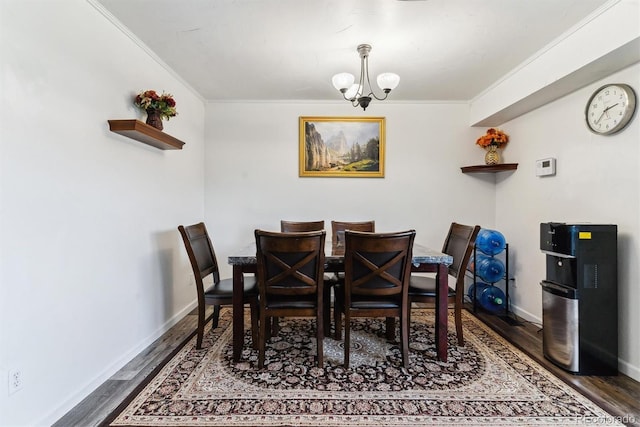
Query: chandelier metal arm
pixel 365 69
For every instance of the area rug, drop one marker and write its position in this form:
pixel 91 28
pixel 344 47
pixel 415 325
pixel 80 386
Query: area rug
pixel 485 382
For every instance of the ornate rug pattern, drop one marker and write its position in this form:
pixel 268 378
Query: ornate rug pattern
pixel 487 381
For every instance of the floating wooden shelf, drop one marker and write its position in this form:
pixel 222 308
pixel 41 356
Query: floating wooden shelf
pixel 135 129
pixel 490 168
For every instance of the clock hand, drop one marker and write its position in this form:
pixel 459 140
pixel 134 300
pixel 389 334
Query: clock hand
pixel 605 111
pixel 608 108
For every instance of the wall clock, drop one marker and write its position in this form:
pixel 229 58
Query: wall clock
pixel 610 108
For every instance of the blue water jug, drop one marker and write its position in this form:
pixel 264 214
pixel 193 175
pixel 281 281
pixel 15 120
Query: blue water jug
pixel 491 242
pixel 488 268
pixel 490 297
pixel 476 288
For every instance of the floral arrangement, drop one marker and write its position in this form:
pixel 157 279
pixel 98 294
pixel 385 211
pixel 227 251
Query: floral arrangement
pixel 495 137
pixel 165 104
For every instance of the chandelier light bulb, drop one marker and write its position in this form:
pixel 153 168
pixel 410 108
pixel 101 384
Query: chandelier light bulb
pixel 388 81
pixel 342 81
pixel 354 92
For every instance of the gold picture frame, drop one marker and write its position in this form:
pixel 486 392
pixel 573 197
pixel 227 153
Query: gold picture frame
pixel 342 147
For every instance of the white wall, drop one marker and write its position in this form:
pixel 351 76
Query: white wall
pixel 252 172
pixel 92 268
pixel 597 181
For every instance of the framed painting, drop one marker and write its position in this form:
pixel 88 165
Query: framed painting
pixel 342 146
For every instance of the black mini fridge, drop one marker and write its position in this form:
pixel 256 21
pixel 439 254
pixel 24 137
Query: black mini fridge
pixel 580 297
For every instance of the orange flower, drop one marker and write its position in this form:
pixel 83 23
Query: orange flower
pixel 494 136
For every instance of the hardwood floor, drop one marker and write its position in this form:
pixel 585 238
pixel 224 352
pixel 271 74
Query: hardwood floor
pixel 619 395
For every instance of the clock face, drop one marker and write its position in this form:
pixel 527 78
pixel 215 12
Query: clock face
pixel 610 108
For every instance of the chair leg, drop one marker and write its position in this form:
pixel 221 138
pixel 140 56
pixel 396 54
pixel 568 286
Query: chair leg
pixel 261 339
pixel 320 335
pixel 347 339
pixel 269 328
pixel 326 304
pixel 337 322
pixel 404 340
pixel 390 327
pixel 254 307
pixel 216 316
pixel 201 321
pixel 275 328
pixel 458 319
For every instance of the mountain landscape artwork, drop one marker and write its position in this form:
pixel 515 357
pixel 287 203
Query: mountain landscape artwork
pixel 342 146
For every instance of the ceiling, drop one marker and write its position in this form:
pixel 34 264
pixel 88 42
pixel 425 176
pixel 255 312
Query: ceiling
pixel 290 49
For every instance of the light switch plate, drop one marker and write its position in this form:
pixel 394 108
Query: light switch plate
pixel 546 167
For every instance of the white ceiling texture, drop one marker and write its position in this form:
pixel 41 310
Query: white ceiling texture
pixel 290 49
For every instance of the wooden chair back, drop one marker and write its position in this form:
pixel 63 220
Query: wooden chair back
pixel 459 243
pixel 377 264
pixel 289 263
pixel 201 254
pixel 300 226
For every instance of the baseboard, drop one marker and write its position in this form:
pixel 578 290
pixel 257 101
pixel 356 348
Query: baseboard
pixel 525 315
pixel 629 370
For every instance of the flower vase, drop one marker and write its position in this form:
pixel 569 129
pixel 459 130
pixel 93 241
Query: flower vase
pixel 492 157
pixel 154 118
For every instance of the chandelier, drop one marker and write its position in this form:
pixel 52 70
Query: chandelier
pixel 355 92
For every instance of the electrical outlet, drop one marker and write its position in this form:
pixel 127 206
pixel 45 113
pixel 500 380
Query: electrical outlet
pixel 15 380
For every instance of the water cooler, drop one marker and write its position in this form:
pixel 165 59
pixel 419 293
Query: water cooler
pixel 580 298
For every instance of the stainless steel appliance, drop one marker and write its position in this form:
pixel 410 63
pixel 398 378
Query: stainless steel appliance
pixel 580 298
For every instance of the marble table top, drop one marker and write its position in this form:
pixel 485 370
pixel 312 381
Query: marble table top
pixel 335 254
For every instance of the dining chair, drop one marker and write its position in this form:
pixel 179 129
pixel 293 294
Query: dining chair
pixel 220 292
pixel 290 273
pixel 459 244
pixel 338 228
pixel 298 226
pixel 376 281
pixel 337 241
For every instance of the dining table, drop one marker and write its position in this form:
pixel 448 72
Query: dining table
pixel 424 260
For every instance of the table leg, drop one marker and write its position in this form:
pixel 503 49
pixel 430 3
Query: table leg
pixel 238 312
pixel 442 287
